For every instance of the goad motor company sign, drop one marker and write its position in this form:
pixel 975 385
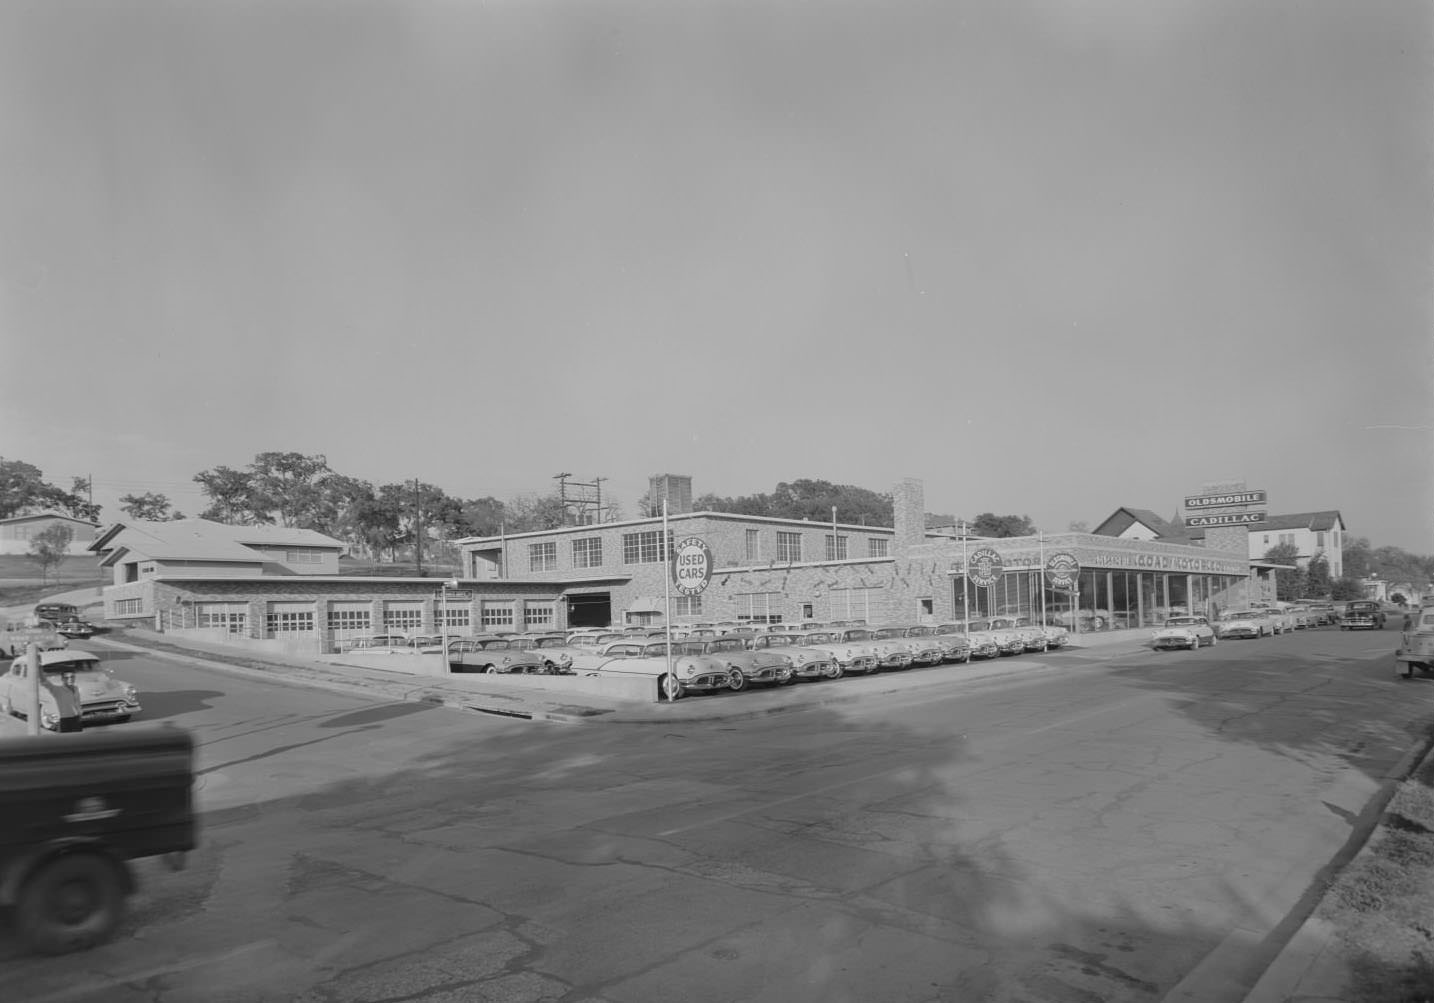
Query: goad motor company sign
pixel 691 566
pixel 1062 569
pixel 983 567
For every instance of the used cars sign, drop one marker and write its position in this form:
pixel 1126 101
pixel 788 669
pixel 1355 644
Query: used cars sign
pixel 691 566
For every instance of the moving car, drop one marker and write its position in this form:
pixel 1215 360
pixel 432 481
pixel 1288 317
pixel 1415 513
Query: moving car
pixel 1244 623
pixel 1362 614
pixel 102 698
pixel 1185 632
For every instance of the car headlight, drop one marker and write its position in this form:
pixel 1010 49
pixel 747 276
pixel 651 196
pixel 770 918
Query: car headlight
pixel 48 718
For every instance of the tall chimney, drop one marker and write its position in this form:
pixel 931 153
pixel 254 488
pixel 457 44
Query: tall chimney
pixel 908 509
pixel 676 488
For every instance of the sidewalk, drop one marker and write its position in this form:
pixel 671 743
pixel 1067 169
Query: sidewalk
pixel 506 696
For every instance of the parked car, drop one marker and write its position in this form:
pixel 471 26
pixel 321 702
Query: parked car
pixel 394 643
pixel 924 650
pixel 1416 645
pixel 955 647
pixel 102 698
pixel 1300 613
pixel 1033 638
pixel 553 648
pixel 1185 632
pixel 1007 642
pixel 891 653
pixel 1253 623
pixel 1362 614
pixel 807 662
pixel 704 665
pixel 1323 613
pixel 850 649
pixel 492 655
pixel 977 647
pixel 1281 620
pixel 75 629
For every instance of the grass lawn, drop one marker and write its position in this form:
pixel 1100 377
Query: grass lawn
pixel 20 582
pixel 1381 902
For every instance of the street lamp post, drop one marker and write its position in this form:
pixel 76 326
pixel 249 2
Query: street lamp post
pixel 451 583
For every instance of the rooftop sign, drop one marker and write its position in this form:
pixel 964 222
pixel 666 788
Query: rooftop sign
pixel 1224 501
pixel 1225 519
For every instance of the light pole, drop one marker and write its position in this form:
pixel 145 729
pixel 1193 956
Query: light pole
pixel 451 583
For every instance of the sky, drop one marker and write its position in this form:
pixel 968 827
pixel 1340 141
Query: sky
pixel 1051 258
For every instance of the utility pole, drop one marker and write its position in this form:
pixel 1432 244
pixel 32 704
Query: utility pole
pixel 562 480
pixel 417 528
pixel 597 483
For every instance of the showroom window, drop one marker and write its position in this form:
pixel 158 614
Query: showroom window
pixel 587 552
pixel 644 548
pixel 789 546
pixel 836 548
pixel 543 556
pixel 876 547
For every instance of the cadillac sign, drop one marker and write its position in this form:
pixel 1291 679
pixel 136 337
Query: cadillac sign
pixel 1225 500
pixel 1225 519
pixel 983 567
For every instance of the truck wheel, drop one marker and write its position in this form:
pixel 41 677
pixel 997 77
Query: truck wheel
pixel 72 902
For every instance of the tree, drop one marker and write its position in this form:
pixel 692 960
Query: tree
pixel 1289 584
pixel 50 546
pixel 285 488
pixel 529 512
pixel 24 491
pixel 1346 588
pixel 230 496
pixel 1000 526
pixel 1078 527
pixel 1317 579
pixel 149 507
pixel 802 499
pixel 1356 555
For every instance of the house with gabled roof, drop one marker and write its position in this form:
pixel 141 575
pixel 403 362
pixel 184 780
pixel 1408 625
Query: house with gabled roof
pixel 1312 533
pixel 189 548
pixel 17 531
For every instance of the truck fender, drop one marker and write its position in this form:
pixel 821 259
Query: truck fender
pixel 19 868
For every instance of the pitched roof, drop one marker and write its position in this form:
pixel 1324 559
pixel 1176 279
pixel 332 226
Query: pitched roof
pixel 1123 518
pixel 48 515
pixel 1315 522
pixel 202 540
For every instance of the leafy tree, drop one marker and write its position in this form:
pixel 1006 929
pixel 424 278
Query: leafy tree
pixel 24 491
pixel 230 496
pixel 1357 556
pixel 1078 527
pixel 529 512
pixel 804 499
pixel 1346 588
pixel 149 507
pixel 1000 526
pixel 286 489
pixel 481 517
pixel 1289 584
pixel 49 547
pixel 1317 579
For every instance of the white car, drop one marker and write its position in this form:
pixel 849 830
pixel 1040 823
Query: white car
pixel 102 697
pixel 1254 623
pixel 1185 632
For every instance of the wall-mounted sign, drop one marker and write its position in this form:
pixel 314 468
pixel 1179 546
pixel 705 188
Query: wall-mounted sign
pixel 691 566
pixel 1225 500
pixel 983 567
pixel 1062 569
pixel 1225 519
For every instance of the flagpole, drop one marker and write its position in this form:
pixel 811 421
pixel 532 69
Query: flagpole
pixel 667 606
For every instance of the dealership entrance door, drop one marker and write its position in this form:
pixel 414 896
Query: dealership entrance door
pixel 589 609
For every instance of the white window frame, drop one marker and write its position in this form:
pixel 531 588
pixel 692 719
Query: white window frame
pixel 836 547
pixel 754 544
pixel 496 614
pixel 645 547
pixel 231 617
pixel 759 607
pixel 686 605
pixel 543 556
pixel 877 546
pixel 288 619
pixel 350 619
pixel 852 604
pixel 539 615
pixel 587 552
pixel 789 547
pixel 402 616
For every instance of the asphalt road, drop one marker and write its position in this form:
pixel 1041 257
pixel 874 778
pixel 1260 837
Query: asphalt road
pixel 1087 836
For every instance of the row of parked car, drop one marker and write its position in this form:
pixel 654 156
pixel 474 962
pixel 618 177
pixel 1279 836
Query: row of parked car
pixel 1259 621
pixel 732 656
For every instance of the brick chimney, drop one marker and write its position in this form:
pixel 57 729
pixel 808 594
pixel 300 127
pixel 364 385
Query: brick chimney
pixel 908 509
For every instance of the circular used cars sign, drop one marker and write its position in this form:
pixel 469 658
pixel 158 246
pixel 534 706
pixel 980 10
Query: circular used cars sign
pixel 984 566
pixel 1061 569
pixel 691 566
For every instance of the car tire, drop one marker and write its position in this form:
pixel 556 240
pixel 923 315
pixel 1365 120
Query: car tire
pixel 491 670
pixel 736 681
pixel 72 902
pixel 836 671
pixel 122 719
pixel 670 688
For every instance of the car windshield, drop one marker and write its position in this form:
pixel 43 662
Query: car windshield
pixel 1181 621
pixel 886 632
pixel 777 641
pixel 658 650
pixel 727 646
pixel 816 637
pixel 856 635
pixel 495 645
pixel 78 665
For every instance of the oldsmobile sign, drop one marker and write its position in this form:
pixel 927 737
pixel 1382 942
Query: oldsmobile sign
pixel 984 566
pixel 1226 500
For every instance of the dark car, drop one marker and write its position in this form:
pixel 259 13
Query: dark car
pixel 57 612
pixel 1362 614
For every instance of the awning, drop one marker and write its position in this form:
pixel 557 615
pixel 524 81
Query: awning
pixel 646 604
